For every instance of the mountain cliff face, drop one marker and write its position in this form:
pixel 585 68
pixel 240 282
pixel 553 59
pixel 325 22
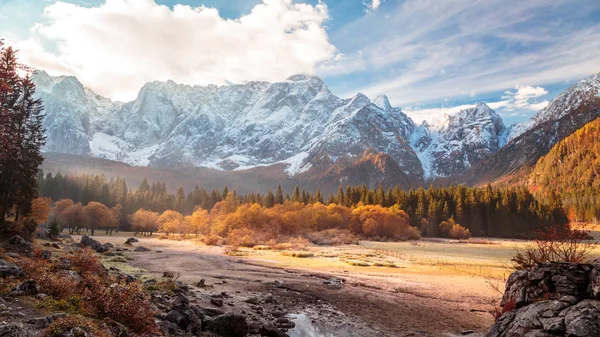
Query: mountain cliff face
pixel 458 141
pixel 297 125
pixel 227 128
pixel 568 112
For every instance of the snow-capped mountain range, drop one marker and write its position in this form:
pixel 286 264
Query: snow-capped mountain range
pixel 297 123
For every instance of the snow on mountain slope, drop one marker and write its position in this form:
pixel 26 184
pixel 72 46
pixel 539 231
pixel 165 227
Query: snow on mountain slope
pixel 458 141
pixel 567 101
pixel 297 122
pixel 293 122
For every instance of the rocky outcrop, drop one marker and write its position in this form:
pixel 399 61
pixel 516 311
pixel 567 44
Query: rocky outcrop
pixel 553 299
pixel 9 269
pixel 86 241
pixel 17 244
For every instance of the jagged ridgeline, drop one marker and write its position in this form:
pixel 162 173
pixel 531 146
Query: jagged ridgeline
pixel 503 212
pixel 297 129
pixel 572 170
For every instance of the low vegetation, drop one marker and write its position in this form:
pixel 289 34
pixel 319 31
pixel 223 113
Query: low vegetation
pixel 555 244
pixel 489 211
pixel 79 283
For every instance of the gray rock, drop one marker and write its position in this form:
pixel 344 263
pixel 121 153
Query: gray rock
pixel 87 241
pixel 29 287
pixel 271 331
pixel 217 301
pixel 17 244
pixel 141 249
pixel 131 240
pixel 552 299
pixel 46 255
pixel 17 330
pixel 583 319
pixel 44 322
pixel 9 269
pixel 229 325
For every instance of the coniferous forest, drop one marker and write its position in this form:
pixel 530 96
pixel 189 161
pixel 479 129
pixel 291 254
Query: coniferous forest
pixel 572 170
pixel 490 211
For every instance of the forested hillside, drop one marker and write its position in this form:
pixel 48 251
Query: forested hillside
pixel 571 170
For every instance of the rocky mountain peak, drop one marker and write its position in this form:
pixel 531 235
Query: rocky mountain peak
pixel 383 102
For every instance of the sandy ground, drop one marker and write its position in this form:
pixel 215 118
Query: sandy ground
pixel 411 300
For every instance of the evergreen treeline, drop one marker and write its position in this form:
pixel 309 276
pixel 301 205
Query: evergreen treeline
pixel 572 171
pixel 503 212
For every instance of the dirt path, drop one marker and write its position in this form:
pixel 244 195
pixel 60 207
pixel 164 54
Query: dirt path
pixel 403 303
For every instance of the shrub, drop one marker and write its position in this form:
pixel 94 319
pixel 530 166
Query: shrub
pixel 70 305
pixel 445 227
pixel 211 240
pixel 54 228
pixel 55 283
pixel 61 326
pixel 127 304
pixel 332 237
pixel 85 261
pixel 555 244
pixel 357 263
pixel 298 254
pixel 459 232
pixel 410 233
pixel 243 237
pixel 498 311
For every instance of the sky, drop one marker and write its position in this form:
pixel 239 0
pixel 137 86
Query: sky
pixel 430 57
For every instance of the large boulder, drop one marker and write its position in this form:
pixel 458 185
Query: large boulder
pixel 131 240
pixel 9 269
pixel 87 241
pixel 229 325
pixel 561 281
pixel 17 244
pixel 552 299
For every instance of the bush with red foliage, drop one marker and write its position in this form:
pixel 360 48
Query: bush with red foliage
pixel 497 311
pixel 102 295
pixel 557 243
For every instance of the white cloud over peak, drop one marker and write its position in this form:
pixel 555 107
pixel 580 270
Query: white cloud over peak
pixel 523 99
pixel 118 46
pixel 372 5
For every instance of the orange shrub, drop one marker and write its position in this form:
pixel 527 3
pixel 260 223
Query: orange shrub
pixel 127 304
pixel 242 237
pixel 459 232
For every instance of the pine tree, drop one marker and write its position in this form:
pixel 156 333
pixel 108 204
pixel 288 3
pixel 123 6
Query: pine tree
pixel 319 196
pixel 21 137
pixel 340 197
pixel 269 200
pixel 279 195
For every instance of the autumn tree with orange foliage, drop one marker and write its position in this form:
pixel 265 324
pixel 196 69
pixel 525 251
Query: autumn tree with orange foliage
pixel 40 210
pixel 143 221
pixel 98 216
pixel 172 222
pixel 73 217
pixel 381 222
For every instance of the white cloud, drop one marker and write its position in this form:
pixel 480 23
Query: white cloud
pixel 118 46
pixel 433 115
pixel 373 5
pixel 521 99
pixel 512 103
pixel 465 47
